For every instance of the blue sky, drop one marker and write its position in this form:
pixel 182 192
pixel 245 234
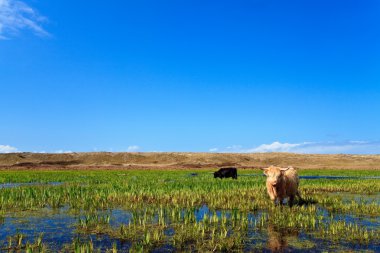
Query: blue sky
pixel 201 76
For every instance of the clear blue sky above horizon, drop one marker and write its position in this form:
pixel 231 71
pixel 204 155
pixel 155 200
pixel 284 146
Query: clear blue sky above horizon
pixel 236 76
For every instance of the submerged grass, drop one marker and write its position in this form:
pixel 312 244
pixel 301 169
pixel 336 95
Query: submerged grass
pixel 164 208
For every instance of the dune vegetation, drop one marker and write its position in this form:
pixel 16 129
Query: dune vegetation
pixel 178 160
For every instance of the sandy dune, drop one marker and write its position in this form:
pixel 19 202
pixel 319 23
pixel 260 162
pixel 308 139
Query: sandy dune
pixel 107 160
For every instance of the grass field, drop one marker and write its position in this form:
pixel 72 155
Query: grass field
pixel 185 210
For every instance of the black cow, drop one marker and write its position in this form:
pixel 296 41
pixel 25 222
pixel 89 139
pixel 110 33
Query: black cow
pixel 226 172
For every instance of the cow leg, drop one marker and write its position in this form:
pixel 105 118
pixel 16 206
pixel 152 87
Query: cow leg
pixel 291 200
pixel 300 200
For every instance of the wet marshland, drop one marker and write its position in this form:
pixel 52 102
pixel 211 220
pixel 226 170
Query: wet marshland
pixel 164 211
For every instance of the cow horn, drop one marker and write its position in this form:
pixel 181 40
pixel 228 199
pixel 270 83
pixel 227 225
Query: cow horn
pixel 285 169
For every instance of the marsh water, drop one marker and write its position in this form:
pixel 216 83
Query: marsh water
pixel 13 185
pixel 59 229
pixel 66 211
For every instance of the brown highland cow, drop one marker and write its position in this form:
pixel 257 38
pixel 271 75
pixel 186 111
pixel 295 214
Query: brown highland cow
pixel 282 183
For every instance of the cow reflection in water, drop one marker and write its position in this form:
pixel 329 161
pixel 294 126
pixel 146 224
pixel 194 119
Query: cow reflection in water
pixel 278 239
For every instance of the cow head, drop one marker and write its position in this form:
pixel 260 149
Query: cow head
pixel 274 174
pixel 217 174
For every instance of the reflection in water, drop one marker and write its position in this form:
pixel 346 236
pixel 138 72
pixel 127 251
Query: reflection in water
pixel 278 239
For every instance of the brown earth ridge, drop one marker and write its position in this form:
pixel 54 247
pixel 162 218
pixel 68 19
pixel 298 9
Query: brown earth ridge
pixel 176 160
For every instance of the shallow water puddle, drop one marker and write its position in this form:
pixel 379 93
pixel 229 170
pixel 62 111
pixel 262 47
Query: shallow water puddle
pixel 56 226
pixel 347 197
pixel 14 185
pixel 59 228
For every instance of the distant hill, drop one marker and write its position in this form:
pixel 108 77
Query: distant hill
pixel 141 160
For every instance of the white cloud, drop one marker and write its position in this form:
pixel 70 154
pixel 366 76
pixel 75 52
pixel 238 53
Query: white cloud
pixel 346 147
pixel 63 151
pixel 234 148
pixel 133 148
pixel 7 148
pixel 276 147
pixel 229 149
pixel 16 16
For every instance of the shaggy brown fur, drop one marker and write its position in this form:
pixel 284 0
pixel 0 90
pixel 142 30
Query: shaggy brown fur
pixel 282 183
